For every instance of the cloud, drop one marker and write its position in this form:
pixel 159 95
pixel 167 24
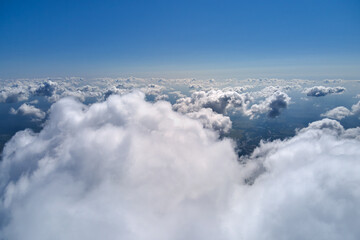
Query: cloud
pixel 342 112
pixel 13 94
pixel 212 120
pixel 355 109
pixel 272 105
pixel 29 110
pixel 331 81
pixel 303 187
pixel 320 91
pixel 337 113
pixel 129 169
pixel 217 100
pixel 210 106
pixel 121 169
pixel 47 89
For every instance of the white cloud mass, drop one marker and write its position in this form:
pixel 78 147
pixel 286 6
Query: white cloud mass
pixel 29 110
pixel 337 113
pixel 272 105
pixel 129 169
pixel 342 112
pixel 320 91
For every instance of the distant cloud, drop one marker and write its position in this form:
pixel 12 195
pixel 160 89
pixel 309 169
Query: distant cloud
pixel 331 81
pixel 29 110
pixel 13 94
pixel 47 89
pixel 217 100
pixel 320 91
pixel 272 105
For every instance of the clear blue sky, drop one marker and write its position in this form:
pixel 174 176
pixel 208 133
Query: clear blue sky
pixel 129 37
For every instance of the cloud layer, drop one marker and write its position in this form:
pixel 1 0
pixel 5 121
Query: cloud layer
pixel 129 169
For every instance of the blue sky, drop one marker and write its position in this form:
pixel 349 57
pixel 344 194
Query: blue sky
pixel 312 39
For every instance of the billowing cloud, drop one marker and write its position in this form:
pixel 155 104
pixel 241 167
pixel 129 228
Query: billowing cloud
pixel 342 112
pixel 121 169
pixel 29 110
pixel 212 120
pixel 337 113
pixel 302 187
pixel 272 105
pixel 209 107
pixel 129 169
pixel 47 89
pixel 217 100
pixel 12 95
pixel 320 91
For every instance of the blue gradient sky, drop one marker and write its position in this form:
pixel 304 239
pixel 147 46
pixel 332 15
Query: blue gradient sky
pixel 311 39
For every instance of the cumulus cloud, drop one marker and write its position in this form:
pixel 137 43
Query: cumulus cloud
pixel 320 91
pixel 302 187
pixel 122 169
pixel 47 89
pixel 212 120
pixel 342 112
pixel 210 106
pixel 129 169
pixel 217 100
pixel 29 110
pixel 13 94
pixel 272 105
pixel 337 113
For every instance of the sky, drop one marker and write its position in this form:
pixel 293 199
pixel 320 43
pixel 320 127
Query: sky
pixel 309 39
pixel 158 120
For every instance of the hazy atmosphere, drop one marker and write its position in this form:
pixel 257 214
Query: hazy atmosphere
pixel 159 120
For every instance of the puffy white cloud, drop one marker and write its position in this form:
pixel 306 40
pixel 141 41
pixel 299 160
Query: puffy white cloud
pixel 272 105
pixel 209 107
pixel 128 169
pixel 212 120
pixel 355 109
pixel 337 113
pixel 121 169
pixel 320 91
pixel 47 89
pixel 13 94
pixel 302 188
pixel 217 100
pixel 29 110
pixel 342 112
pixel 224 101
